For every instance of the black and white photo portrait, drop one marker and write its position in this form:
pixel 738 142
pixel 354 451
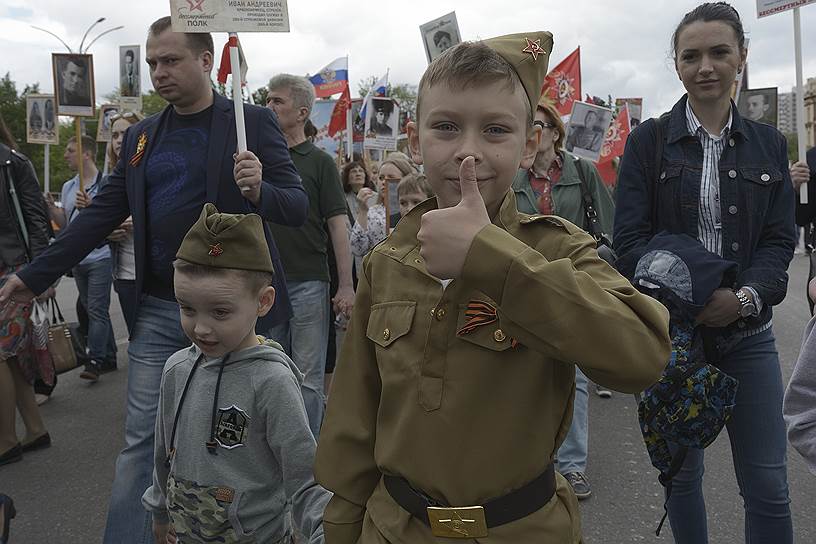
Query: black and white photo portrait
pixel 759 105
pixel 41 119
pixel 106 114
pixel 440 35
pixel 74 85
pixel 586 130
pixel 129 75
pixel 381 123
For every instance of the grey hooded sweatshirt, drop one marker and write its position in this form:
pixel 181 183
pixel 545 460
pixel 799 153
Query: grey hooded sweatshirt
pixel 799 407
pixel 262 450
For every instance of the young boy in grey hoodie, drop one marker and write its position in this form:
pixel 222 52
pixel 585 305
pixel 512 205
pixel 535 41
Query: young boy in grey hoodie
pixel 232 438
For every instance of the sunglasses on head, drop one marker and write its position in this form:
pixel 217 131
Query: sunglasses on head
pixel 124 115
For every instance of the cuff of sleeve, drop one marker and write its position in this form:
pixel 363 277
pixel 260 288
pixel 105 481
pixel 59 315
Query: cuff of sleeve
pixel 757 299
pixel 489 260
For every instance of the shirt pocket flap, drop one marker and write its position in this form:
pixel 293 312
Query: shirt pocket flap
pixel 670 172
pixel 389 321
pixel 490 335
pixel 761 176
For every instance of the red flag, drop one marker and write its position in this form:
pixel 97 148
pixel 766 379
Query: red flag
pixel 613 146
pixel 562 86
pixel 224 69
pixel 338 117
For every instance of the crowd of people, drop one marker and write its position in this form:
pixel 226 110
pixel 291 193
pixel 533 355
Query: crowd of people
pixel 269 259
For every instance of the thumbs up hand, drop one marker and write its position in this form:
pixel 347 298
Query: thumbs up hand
pixel 446 235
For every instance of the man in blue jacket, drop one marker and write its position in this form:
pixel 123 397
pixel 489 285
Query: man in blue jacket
pixel 170 165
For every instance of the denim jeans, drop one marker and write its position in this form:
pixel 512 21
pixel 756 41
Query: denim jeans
pixel 126 289
pixel 93 281
pixel 572 455
pixel 758 446
pixel 156 336
pixel 304 338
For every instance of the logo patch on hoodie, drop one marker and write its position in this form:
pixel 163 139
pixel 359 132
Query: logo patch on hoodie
pixel 232 427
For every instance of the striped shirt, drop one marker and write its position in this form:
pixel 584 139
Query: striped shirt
pixel 709 224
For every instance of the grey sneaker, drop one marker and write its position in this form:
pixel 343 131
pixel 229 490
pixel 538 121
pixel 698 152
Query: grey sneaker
pixel 579 484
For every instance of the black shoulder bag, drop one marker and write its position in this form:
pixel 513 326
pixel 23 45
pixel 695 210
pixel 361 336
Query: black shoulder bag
pixel 594 229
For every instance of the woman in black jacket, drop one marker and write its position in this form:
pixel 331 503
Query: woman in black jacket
pixel 723 181
pixel 17 363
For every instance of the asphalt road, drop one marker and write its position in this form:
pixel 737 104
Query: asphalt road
pixel 62 492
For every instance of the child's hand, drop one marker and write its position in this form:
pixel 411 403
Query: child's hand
pixel 446 235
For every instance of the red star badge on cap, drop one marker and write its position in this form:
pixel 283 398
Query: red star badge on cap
pixel 215 250
pixel 534 48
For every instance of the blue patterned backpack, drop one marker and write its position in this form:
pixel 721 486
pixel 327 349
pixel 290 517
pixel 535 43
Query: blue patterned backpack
pixel 688 406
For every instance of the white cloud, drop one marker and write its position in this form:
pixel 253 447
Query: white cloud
pixel 624 44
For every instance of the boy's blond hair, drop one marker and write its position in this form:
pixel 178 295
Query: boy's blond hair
pixel 414 183
pixel 471 64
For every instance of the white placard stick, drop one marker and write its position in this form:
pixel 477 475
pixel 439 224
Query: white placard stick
pixel 237 97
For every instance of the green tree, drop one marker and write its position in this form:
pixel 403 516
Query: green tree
pixel 260 95
pixel 793 143
pixel 152 103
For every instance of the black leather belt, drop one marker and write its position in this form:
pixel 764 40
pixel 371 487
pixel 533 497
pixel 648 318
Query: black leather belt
pixel 472 521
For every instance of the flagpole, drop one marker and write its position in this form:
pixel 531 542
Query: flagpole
pixel 79 149
pixel 349 120
pixel 800 99
pixel 47 168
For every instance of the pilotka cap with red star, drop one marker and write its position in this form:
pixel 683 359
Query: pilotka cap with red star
pixel 528 53
pixel 227 240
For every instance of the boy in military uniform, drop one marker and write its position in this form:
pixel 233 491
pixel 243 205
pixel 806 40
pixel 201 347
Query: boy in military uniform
pixel 232 438
pixel 455 384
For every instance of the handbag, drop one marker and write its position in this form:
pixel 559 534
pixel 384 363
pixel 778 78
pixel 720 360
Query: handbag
pixel 65 344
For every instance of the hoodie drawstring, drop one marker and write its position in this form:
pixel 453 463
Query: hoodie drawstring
pixel 211 444
pixel 172 450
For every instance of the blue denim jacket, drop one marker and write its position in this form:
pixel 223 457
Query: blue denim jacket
pixel 757 202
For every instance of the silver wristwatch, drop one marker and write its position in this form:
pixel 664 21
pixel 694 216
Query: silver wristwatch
pixel 747 307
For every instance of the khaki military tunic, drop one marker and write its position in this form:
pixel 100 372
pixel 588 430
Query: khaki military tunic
pixel 470 417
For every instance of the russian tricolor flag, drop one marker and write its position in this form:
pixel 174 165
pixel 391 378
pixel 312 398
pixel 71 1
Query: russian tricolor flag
pixel 332 79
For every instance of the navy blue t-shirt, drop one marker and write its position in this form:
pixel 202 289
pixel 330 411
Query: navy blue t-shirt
pixel 176 177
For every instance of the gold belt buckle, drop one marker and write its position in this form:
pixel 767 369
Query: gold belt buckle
pixel 458 522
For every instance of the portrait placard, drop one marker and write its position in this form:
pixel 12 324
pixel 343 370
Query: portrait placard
pixel 103 129
pixel 41 119
pixel 74 84
pixel 229 15
pixel 320 118
pixel 440 35
pixel 586 130
pixel 759 105
pixel 382 118
pixel 130 77
pixel 635 109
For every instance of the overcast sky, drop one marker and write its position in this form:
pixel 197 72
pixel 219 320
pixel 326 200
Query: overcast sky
pixel 624 44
